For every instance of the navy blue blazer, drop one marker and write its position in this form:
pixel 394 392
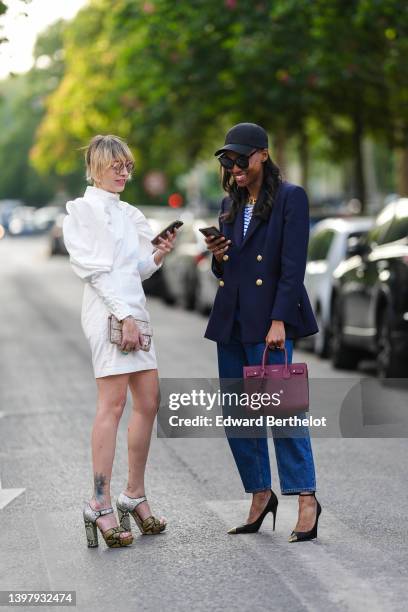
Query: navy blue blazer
pixel 263 273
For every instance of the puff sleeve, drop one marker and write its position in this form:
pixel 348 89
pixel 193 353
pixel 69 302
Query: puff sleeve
pixel 146 264
pixel 90 245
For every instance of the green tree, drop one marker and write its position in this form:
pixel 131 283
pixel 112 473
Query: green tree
pixel 359 55
pixel 21 112
pixel 172 76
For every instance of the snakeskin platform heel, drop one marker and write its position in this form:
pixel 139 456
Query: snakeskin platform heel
pixel 127 506
pixel 111 536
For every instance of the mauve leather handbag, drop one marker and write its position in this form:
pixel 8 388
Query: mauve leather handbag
pixel 287 386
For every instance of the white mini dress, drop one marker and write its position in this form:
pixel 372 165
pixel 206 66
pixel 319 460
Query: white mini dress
pixel 108 242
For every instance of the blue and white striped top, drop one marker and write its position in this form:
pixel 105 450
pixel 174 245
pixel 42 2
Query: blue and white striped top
pixel 247 216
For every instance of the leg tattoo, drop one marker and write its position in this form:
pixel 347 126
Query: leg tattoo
pixel 99 484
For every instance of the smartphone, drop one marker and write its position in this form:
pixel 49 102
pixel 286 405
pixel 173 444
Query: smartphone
pixel 163 233
pixel 212 231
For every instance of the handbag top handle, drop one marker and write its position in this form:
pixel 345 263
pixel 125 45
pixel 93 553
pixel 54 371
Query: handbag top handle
pixel 267 348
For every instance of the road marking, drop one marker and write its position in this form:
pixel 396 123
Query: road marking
pixel 8 495
pixel 71 565
pixel 339 570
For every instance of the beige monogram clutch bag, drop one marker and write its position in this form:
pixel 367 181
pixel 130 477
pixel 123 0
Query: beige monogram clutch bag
pixel 115 332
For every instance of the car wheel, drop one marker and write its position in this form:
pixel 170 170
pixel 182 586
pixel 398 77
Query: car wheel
pixel 188 299
pixel 166 295
pixel 168 298
pixel 53 248
pixel 343 357
pixel 388 363
pixel 320 340
pixel 203 308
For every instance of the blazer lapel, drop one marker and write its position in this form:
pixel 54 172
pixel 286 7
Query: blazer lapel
pixel 253 224
pixel 238 229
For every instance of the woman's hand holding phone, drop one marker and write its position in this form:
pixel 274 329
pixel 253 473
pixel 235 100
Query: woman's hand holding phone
pixel 164 246
pixel 216 242
pixel 164 242
pixel 217 246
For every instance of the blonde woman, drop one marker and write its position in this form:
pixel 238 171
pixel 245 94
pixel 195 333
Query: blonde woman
pixel 109 245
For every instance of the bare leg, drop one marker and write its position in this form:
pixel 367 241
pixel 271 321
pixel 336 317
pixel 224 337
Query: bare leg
pixel 112 391
pixel 144 387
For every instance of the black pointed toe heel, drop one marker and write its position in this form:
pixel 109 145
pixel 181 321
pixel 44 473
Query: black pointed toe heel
pixel 303 536
pixel 271 506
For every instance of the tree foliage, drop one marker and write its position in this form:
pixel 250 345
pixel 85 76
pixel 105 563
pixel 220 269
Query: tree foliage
pixel 22 110
pixel 171 77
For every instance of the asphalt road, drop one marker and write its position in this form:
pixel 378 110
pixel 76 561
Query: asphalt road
pixel 47 404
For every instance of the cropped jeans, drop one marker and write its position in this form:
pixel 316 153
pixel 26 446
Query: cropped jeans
pixel 294 456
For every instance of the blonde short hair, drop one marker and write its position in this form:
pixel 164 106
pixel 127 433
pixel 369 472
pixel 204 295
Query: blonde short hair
pixel 102 151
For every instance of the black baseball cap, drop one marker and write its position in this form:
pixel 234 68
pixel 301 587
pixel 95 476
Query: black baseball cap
pixel 244 138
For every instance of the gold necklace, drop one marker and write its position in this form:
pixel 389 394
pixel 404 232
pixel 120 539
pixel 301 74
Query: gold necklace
pixel 251 201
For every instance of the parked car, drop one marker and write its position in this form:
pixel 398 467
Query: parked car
pixel 56 239
pixel 22 221
pixel 45 217
pixel 370 297
pixel 329 244
pixel 180 267
pixel 158 217
pixel 207 283
pixel 7 207
pixel 155 285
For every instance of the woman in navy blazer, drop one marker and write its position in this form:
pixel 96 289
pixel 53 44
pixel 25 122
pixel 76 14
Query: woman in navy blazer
pixel 260 263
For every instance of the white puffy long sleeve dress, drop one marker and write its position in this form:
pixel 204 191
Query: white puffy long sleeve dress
pixel 108 242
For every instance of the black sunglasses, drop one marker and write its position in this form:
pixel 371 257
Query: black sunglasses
pixel 242 161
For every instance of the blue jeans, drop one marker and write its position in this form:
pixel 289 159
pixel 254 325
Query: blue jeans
pixel 294 456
